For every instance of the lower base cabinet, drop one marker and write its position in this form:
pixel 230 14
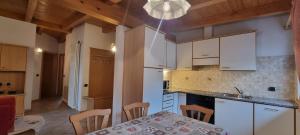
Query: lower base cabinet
pixel 181 101
pixel 272 120
pixel 234 116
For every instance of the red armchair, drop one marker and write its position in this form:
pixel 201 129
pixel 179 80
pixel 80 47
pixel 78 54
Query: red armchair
pixel 7 114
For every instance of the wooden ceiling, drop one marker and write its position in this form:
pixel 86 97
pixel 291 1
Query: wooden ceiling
pixel 58 17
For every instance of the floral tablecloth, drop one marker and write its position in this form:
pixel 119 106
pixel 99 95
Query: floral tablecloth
pixel 162 123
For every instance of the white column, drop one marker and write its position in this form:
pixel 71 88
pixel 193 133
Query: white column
pixel 118 75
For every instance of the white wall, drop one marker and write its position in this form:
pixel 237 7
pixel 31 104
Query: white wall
pixel 61 48
pixel 22 34
pixel 272 39
pixel 188 36
pixel 48 44
pixel 90 36
pixel 17 32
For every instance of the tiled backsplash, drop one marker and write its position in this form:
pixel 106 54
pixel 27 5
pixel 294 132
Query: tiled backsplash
pixel 273 71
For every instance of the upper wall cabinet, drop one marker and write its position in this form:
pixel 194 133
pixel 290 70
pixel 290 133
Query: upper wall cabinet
pixel 171 55
pixel 184 56
pixel 13 58
pixel 238 52
pixel 154 54
pixel 206 48
pixel 206 52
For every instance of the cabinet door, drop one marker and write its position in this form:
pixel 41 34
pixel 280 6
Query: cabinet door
pixel 238 52
pixel 181 101
pixel 234 116
pixel 13 58
pixel 154 54
pixel 271 120
pixel 184 56
pixel 206 48
pixel 0 57
pixel 19 105
pixel 175 106
pixel 171 55
pixel 153 89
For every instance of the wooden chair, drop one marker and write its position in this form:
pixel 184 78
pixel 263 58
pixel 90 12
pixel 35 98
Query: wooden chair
pixel 136 110
pixel 199 110
pixel 90 116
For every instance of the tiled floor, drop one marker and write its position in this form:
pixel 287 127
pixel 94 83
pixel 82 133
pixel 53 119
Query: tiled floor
pixel 56 114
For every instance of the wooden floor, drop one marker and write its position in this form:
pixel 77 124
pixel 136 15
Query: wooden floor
pixel 56 114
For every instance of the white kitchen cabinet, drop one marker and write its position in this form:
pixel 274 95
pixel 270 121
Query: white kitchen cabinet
pixel 184 56
pixel 171 55
pixel 181 101
pixel 175 104
pixel 206 48
pixel 154 54
pixel 234 116
pixel 272 120
pixel 238 52
pixel 153 88
pixel 297 122
pixel 206 61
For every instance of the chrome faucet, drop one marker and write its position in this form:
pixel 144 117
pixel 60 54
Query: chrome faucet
pixel 239 91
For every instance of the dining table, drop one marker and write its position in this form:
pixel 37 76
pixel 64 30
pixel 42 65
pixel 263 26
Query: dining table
pixel 162 123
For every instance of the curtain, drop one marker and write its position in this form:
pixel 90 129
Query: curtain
pixel 73 99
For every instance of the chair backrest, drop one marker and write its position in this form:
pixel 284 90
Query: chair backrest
pixel 7 114
pixel 91 119
pixel 195 111
pixel 136 110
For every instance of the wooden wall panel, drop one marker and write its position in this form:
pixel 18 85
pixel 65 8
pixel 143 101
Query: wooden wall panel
pixel 133 66
pixel 16 79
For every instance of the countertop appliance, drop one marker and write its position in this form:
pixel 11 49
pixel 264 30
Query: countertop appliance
pixel 166 85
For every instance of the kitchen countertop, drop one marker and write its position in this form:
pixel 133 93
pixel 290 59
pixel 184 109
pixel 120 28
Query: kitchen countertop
pixel 259 100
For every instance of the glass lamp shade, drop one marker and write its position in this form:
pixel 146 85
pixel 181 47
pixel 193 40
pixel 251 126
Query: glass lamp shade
pixel 168 9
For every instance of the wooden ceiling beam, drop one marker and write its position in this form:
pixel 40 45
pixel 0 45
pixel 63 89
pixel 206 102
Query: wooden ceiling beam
pixel 206 4
pixel 49 26
pixel 101 11
pixel 77 22
pixel 277 7
pixel 31 7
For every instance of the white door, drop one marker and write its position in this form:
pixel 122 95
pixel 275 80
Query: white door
pixel 238 52
pixel 206 48
pixel 153 89
pixel 154 54
pixel 272 120
pixel 184 56
pixel 234 116
pixel 171 55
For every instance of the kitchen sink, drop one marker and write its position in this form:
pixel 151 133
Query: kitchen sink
pixel 236 96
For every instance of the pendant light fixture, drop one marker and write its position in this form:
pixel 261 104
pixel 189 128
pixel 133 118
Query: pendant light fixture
pixel 167 9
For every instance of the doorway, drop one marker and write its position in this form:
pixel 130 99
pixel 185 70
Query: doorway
pixel 52 75
pixel 101 78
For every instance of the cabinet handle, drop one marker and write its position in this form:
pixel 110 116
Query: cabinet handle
pixel 220 101
pixel 225 67
pixel 159 71
pixel 270 109
pixel 160 65
pixel 204 54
